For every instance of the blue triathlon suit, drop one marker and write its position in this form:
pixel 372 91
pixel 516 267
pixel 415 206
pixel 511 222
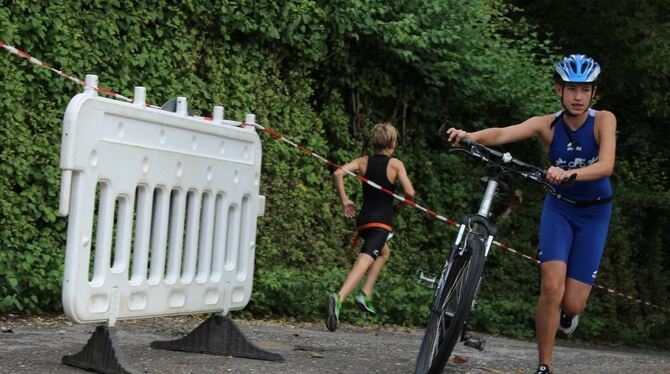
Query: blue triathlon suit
pixel 568 233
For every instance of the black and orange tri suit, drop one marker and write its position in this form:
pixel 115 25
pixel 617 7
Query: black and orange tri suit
pixel 375 221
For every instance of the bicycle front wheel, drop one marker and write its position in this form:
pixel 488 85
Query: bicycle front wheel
pixel 451 308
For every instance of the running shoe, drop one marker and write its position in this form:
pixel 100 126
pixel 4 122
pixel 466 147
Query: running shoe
pixel 364 303
pixel 543 369
pixel 333 304
pixel 568 324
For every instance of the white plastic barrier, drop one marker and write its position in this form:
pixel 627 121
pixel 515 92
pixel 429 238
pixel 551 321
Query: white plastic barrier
pixel 162 209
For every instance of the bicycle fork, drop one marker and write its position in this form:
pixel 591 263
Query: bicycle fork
pixel 431 280
pixel 479 226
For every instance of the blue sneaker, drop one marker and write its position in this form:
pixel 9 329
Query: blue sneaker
pixel 333 304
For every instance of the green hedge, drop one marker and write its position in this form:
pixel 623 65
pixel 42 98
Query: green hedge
pixel 322 73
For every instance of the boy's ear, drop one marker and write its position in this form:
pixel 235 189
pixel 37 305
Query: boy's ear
pixel 558 88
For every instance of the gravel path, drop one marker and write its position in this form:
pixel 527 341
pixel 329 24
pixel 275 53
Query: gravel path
pixel 36 345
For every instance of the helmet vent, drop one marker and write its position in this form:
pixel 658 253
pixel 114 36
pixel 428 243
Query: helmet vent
pixel 577 69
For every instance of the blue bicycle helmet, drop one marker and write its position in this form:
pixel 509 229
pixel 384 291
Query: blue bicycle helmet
pixel 577 69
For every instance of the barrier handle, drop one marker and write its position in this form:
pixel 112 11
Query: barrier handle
pixel 65 186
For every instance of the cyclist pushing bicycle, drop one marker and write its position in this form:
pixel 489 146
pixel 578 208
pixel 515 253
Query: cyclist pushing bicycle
pixel 581 145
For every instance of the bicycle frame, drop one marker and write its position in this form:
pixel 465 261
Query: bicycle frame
pixel 481 219
pixel 457 290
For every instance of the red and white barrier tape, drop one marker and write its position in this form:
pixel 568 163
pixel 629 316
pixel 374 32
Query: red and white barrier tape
pixel 39 63
pixel 276 135
pixel 400 198
pixel 610 291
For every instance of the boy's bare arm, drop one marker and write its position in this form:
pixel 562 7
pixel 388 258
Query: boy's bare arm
pixel 338 179
pixel 405 183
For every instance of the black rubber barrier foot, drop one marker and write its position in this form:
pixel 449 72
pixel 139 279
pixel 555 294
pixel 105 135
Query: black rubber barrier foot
pixel 220 336
pixel 101 354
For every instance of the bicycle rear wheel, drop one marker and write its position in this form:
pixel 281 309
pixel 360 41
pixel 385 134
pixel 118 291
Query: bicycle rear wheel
pixel 451 307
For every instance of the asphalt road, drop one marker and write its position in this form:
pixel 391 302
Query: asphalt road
pixel 36 345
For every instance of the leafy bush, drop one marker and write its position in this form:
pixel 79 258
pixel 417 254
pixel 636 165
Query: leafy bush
pixel 322 73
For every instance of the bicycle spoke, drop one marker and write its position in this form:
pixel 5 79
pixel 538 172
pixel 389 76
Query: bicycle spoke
pixel 456 292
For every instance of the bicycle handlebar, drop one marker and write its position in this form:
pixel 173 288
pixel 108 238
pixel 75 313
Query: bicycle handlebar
pixel 482 152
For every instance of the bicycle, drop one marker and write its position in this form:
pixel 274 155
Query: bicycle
pixel 457 288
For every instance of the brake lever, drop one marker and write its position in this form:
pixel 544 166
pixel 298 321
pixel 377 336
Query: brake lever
pixel 459 149
pixel 472 150
pixel 542 178
pixel 539 176
pixel 566 182
pixel 570 181
pixel 469 152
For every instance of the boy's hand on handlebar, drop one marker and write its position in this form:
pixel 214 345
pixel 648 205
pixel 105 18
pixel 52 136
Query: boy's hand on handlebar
pixel 556 175
pixel 455 135
pixel 349 208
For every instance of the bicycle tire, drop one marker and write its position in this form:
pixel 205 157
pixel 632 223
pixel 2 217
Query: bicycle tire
pixel 462 283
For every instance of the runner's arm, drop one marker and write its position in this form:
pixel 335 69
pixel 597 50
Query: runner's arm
pixel 338 179
pixel 405 183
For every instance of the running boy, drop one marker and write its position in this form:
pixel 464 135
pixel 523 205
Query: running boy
pixel 375 221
